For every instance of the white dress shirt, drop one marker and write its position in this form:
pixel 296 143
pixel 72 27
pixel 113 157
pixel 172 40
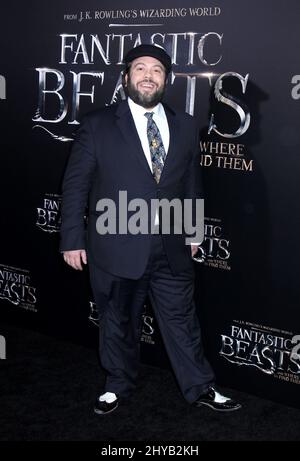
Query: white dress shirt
pixel 160 118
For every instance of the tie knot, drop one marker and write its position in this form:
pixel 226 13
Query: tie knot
pixel 149 115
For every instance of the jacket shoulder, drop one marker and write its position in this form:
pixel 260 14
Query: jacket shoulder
pixel 181 115
pixel 99 113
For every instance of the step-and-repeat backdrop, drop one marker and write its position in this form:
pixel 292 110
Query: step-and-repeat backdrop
pixel 236 69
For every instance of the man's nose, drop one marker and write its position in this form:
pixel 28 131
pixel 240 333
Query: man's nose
pixel 148 73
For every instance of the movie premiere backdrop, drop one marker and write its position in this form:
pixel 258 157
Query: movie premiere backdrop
pixel 236 69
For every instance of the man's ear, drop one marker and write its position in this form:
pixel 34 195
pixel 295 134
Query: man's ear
pixel 125 79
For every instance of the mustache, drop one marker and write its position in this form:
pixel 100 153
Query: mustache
pixel 148 81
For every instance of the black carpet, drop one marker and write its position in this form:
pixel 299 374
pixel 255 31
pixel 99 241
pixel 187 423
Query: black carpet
pixel 48 388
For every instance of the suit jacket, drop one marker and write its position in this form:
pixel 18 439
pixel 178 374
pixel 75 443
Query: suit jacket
pixel 107 157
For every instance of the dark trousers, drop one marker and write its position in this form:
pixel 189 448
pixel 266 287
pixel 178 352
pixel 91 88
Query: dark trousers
pixel 121 303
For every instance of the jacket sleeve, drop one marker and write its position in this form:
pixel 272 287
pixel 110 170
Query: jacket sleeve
pixel 75 190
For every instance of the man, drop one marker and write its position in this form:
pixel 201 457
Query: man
pixel 145 149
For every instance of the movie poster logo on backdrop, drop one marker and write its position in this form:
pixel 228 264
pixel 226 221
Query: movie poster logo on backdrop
pixel 88 72
pixel 48 214
pixel 270 350
pixel 214 251
pixel 17 288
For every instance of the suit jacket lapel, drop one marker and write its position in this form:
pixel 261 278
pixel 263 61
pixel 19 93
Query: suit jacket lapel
pixel 126 124
pixel 174 128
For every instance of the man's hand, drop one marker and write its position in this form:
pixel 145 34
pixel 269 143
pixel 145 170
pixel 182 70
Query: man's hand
pixel 75 257
pixel 194 249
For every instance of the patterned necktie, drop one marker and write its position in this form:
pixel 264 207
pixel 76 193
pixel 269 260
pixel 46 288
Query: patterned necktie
pixel 157 150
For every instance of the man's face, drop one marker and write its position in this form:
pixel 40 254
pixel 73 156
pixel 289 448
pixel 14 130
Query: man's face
pixel 146 81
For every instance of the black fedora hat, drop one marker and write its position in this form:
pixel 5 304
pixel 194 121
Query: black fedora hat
pixel 149 50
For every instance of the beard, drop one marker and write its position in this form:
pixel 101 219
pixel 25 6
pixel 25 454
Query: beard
pixel 145 100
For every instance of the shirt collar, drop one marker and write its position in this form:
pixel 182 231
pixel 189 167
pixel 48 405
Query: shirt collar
pixel 136 109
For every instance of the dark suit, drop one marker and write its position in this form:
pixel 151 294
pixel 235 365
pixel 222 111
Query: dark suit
pixel 107 157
